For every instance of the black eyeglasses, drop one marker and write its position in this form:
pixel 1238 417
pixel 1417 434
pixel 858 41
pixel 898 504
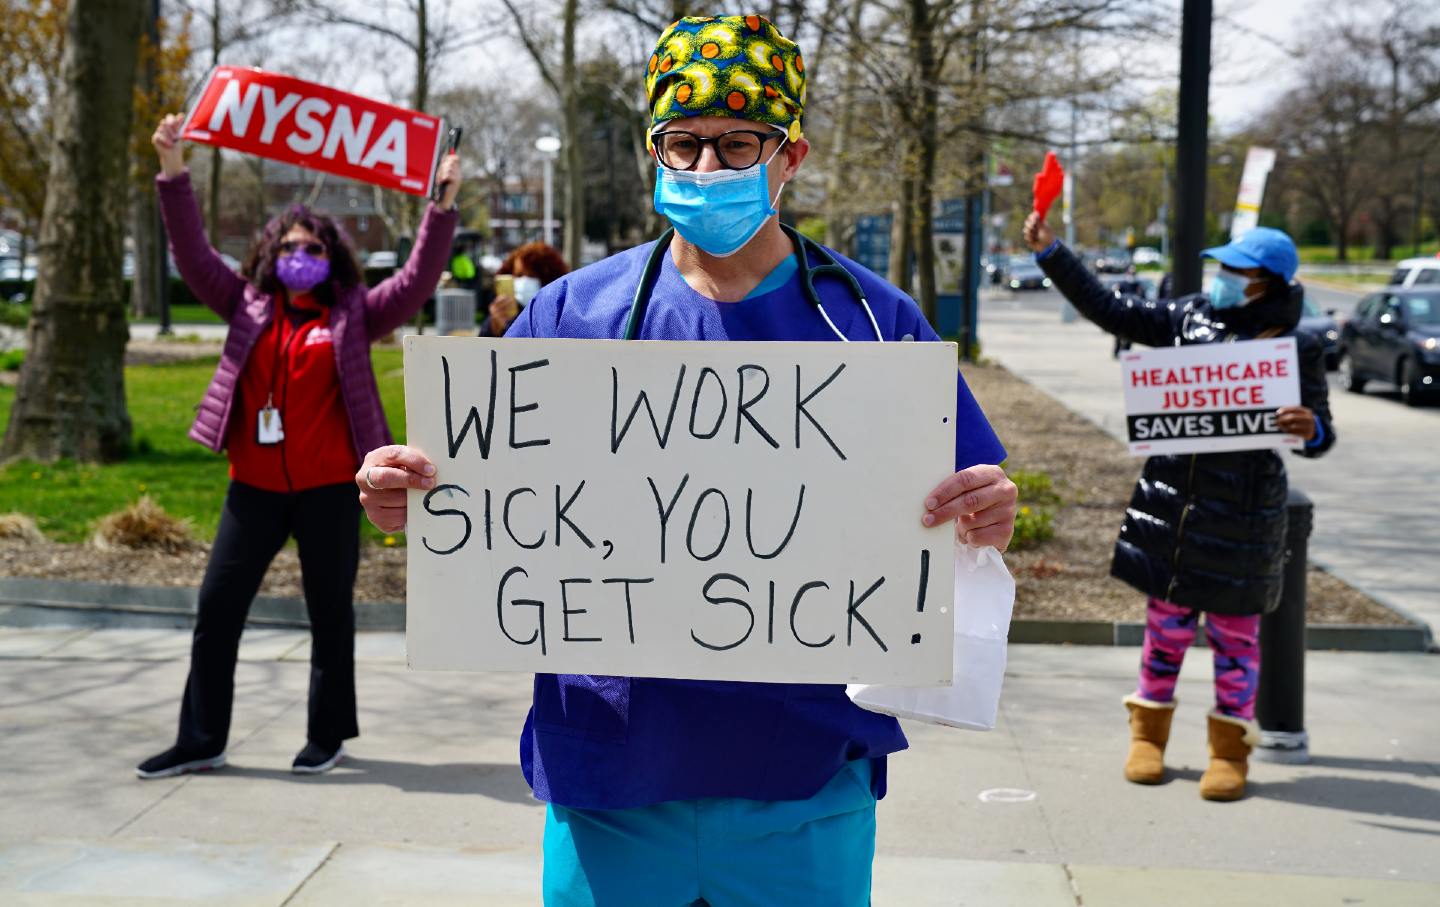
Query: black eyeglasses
pixel 739 149
pixel 291 246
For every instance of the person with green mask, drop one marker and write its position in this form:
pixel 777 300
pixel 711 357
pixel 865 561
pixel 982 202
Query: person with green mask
pixel 674 792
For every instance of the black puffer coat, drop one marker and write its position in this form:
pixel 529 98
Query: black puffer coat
pixel 1205 531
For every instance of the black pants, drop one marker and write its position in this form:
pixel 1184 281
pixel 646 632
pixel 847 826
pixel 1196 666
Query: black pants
pixel 253 527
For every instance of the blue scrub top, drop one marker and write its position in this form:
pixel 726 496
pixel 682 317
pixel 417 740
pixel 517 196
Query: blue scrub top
pixel 596 742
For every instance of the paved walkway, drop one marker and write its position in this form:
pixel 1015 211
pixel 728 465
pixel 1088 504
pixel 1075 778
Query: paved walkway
pixel 1376 493
pixel 432 808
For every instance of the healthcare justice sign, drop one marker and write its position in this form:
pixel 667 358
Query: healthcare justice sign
pixel 735 511
pixel 1210 397
pixel 319 128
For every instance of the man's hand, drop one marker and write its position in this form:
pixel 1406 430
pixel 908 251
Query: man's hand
pixel 385 476
pixel 1296 420
pixel 1038 235
pixel 167 145
pixel 981 500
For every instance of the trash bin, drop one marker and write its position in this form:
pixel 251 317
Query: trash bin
pixel 1280 701
pixel 455 313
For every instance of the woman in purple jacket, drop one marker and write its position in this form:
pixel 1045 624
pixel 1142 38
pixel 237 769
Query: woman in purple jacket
pixel 294 405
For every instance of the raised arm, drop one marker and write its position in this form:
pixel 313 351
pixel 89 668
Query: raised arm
pixel 396 299
pixel 1130 317
pixel 207 275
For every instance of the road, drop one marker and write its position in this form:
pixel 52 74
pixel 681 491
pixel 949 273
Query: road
pixel 1376 494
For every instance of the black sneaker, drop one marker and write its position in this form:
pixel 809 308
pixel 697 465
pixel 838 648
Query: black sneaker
pixel 174 762
pixel 316 758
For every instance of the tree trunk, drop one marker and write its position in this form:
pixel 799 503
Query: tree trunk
pixel 145 284
pixel 144 207
pixel 838 226
pixel 922 46
pixel 574 158
pixel 212 198
pixel 70 401
pixel 410 206
pixel 645 165
pixel 902 231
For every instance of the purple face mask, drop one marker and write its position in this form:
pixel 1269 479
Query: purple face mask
pixel 300 271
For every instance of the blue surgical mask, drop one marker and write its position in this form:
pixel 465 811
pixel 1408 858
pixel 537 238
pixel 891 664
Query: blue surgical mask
pixel 1228 290
pixel 720 211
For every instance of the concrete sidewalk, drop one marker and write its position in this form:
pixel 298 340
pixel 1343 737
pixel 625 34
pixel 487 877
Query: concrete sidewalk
pixel 432 808
pixel 1376 492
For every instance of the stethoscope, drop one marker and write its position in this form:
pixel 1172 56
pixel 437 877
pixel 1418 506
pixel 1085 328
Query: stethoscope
pixel 808 275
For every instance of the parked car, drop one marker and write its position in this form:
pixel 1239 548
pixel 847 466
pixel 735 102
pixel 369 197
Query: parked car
pixel 13 269
pixel 1325 329
pixel 382 259
pixel 1146 285
pixel 1025 274
pixel 1147 255
pixel 1394 336
pixel 1113 261
pixel 1416 272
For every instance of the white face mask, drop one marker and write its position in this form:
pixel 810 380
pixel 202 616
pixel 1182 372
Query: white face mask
pixel 525 290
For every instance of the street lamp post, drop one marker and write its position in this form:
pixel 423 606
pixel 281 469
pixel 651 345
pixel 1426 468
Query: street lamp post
pixel 549 148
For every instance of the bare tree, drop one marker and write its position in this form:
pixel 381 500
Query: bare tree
pixel 70 401
pixel 1321 128
pixel 1397 47
pixel 427 30
pixel 563 82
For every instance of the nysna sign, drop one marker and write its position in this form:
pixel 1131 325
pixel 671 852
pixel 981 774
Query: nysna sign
pixel 1210 397
pixel 304 123
pixel 736 511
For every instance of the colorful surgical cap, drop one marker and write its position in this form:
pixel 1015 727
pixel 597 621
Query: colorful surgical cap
pixel 727 66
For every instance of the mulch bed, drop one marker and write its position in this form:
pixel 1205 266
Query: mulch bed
pixel 1066 577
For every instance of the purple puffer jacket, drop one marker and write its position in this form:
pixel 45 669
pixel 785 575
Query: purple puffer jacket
pixel 359 315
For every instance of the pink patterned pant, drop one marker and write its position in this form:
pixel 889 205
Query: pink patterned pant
pixel 1234 642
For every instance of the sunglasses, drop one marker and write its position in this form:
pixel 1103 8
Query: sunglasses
pixel 291 246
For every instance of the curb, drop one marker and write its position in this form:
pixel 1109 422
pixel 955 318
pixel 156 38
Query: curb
pixel 1333 637
pixel 107 604
pixel 39 602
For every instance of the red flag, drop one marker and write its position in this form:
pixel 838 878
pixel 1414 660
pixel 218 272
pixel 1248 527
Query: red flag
pixel 298 122
pixel 1048 183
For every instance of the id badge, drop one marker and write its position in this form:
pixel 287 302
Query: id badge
pixel 268 429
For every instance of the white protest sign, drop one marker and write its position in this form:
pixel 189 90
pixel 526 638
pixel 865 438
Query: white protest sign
pixel 735 511
pixel 1210 396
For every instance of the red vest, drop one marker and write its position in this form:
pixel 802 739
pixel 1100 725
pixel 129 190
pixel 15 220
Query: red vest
pixel 292 368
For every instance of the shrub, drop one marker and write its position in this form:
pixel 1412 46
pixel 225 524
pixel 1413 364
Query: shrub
pixel 144 525
pixel 11 360
pixel 14 314
pixel 21 527
pixel 1033 525
pixel 1035 518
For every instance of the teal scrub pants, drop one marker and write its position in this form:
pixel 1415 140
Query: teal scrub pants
pixel 724 852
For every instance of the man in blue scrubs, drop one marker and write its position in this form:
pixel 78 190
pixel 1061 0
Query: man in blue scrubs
pixel 676 792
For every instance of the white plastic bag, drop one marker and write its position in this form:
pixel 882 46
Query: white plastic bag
pixel 984 598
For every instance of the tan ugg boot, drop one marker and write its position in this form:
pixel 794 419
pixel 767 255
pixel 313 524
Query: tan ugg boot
pixel 1149 732
pixel 1230 742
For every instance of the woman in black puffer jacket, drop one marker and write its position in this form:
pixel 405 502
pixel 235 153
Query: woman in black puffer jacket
pixel 1205 533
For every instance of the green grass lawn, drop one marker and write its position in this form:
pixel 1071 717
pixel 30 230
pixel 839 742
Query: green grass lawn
pixel 186 314
pixel 1325 255
pixel 1361 281
pixel 65 498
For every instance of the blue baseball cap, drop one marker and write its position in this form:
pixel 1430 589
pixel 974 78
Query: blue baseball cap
pixel 1262 247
